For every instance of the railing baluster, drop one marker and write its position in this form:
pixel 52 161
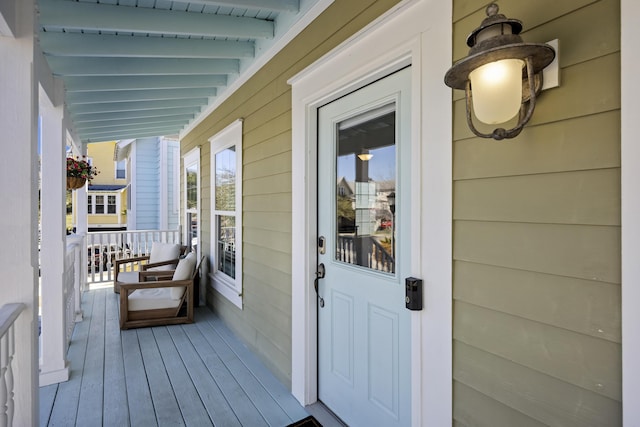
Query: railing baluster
pixel 4 395
pixel 12 349
pixel 8 315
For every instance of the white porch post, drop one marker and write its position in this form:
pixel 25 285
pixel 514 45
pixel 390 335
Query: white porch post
pixel 19 195
pixel 53 362
pixel 630 206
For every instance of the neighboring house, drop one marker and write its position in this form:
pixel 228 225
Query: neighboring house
pixel 152 169
pixel 107 192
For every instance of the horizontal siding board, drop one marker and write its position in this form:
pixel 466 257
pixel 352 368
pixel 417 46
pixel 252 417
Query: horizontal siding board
pixel 265 148
pixel 279 104
pixel 551 401
pixel 274 299
pixel 274 292
pixel 582 197
pixel 268 203
pixel 271 221
pixel 273 240
pixel 478 410
pixel 591 142
pixel 268 159
pixel 583 306
pixel 580 40
pixel 596 363
pixel 572 100
pixel 271 279
pixel 468 15
pixel 278 328
pixel 276 126
pixel 268 185
pixel 277 260
pixel 580 251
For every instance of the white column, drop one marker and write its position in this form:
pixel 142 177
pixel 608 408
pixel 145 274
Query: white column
pixel 53 362
pixel 19 196
pixel 630 208
pixel 82 220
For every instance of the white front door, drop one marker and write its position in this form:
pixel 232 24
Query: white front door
pixel 363 223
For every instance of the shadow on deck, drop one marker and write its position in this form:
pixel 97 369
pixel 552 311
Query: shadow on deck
pixel 198 374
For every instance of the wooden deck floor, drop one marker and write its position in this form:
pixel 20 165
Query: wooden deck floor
pixel 198 375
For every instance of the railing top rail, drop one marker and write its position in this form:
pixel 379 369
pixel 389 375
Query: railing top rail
pixel 8 314
pixel 135 231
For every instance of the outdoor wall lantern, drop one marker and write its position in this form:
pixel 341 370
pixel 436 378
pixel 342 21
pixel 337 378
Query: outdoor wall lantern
pixel 365 155
pixel 501 75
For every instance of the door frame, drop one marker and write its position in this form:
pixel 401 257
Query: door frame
pixel 192 157
pixel 416 33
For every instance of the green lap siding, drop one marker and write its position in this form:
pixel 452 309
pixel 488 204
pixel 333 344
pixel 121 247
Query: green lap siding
pixel 537 327
pixel 264 102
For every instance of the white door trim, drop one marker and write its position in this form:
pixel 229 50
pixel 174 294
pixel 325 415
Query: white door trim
pixel 417 33
pixel 192 157
pixel 630 65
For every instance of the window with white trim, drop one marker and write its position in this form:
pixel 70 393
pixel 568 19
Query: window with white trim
pixel 192 199
pixel 121 169
pixel 102 204
pixel 226 212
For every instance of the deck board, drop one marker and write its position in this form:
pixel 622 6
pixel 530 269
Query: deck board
pixel 273 414
pixel 65 406
pixel 271 384
pixel 164 400
pixel 138 393
pixel 212 397
pixel 188 400
pixel 91 391
pixel 116 409
pixel 198 374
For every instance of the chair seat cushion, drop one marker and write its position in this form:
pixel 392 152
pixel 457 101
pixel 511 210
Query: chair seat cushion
pixel 128 277
pixel 151 299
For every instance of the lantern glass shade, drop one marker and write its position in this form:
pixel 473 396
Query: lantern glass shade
pixel 497 90
pixel 365 155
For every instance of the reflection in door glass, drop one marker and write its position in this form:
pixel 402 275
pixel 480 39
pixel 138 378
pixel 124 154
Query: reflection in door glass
pixel 365 189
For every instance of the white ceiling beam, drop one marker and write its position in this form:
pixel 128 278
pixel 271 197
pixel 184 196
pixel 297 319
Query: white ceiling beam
pixel 105 45
pixel 65 14
pixel 158 129
pixel 131 127
pixel 129 135
pixel 74 98
pixel 132 121
pixel 98 83
pixel 118 115
pixel 274 5
pixel 67 66
pixel 138 105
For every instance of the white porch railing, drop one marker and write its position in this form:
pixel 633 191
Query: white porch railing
pixel 8 315
pixel 104 247
pixel 75 283
pixel 370 253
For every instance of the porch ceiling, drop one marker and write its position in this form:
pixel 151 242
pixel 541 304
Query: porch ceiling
pixel 139 68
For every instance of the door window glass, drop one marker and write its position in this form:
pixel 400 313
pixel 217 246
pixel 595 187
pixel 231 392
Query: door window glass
pixel 366 188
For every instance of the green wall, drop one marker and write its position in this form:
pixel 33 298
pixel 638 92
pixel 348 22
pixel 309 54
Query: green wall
pixel 537 337
pixel 536 222
pixel 265 104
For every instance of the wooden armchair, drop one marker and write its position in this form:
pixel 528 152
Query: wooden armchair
pixel 163 257
pixel 160 301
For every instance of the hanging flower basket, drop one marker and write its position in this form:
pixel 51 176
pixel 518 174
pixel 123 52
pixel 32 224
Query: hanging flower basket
pixel 73 183
pixel 79 171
